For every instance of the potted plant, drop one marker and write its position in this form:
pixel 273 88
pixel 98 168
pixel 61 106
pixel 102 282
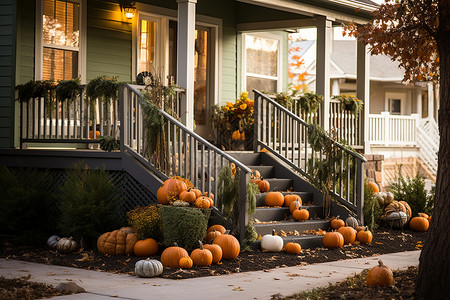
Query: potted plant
pixel 350 103
pixel 310 103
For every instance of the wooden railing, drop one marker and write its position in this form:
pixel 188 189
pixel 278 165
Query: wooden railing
pixel 288 137
pixel 345 125
pixel 179 151
pixel 391 130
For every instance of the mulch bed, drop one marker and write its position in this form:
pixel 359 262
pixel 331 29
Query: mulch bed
pixel 21 288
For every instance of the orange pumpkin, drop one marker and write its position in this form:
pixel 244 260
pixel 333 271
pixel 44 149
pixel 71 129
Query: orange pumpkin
pixel 171 188
pixel 301 214
pixel 293 248
pixel 374 187
pixel 364 236
pixel 229 244
pixel 420 224
pixel 333 240
pixel 197 192
pixel 209 195
pixel 288 199
pixel 147 247
pixel 216 251
pixel 295 205
pixel 380 275
pixel 236 135
pixel 337 223
pixel 171 256
pixel 186 262
pixel 349 234
pixel 212 235
pixel 201 257
pixel 424 215
pixel 188 196
pixel 91 135
pixel 216 227
pixel 263 186
pixel 203 202
pixel 274 199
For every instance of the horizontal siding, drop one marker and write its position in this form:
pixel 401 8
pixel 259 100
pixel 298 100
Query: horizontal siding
pixel 25 41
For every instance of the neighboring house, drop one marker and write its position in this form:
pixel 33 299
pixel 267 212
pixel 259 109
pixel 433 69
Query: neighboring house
pixel 401 120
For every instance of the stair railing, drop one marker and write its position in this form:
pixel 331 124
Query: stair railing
pixel 180 151
pixel 428 143
pixel 287 136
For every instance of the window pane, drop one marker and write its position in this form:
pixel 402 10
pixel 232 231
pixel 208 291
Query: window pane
pixel 261 84
pixel 147 50
pixel 261 56
pixel 59 64
pixel 61 23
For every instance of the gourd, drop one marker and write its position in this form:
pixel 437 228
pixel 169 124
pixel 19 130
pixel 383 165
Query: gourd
pixel 272 242
pixel 419 223
pixel 188 196
pixel 171 256
pixel 180 203
pixel 147 247
pixel 263 186
pixel 333 240
pixel 293 248
pixel 203 202
pixel 274 199
pixel 300 214
pixel 351 221
pixel 380 275
pixel 148 268
pixel 229 244
pixel 212 235
pixel 52 241
pixel 374 186
pixel 364 236
pixel 288 199
pixel 407 208
pixel 337 223
pixel 295 205
pixel 201 257
pixel 118 242
pixel 396 219
pixel 66 245
pixel 216 227
pixel 171 189
pixel 394 206
pixel 186 262
pixel 349 234
pixel 216 251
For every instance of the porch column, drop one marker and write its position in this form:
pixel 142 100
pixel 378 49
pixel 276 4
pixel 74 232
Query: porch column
pixel 430 100
pixel 363 90
pixel 419 102
pixel 323 53
pixel 185 55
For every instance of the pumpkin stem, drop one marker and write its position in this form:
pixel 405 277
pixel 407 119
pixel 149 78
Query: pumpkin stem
pixel 201 245
pixel 273 231
pixel 175 244
pixel 380 263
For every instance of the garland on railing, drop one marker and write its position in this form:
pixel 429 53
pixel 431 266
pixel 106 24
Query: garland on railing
pixel 68 90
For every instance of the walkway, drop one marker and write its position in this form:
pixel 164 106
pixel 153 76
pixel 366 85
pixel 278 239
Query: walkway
pixel 249 285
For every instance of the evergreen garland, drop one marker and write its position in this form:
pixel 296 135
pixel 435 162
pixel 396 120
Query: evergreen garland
pixel 68 90
pixel 154 122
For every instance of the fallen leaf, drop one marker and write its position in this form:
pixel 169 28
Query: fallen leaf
pixel 238 288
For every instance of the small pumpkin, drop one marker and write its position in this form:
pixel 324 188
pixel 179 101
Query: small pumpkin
pixel 203 202
pixel 300 214
pixel 274 199
pixel 201 257
pixel 186 262
pixel 424 215
pixel 295 205
pixel 91 134
pixel 255 174
pixel 229 244
pixel 333 240
pixel 180 203
pixel 212 235
pixel 337 223
pixel 148 268
pixel 52 241
pixel 188 196
pixel 364 236
pixel 147 247
pixel 288 199
pixel 380 275
pixel 216 251
pixel 293 248
pixel 263 186
pixel 389 198
pixel 66 245
pixel 197 192
pixel 236 135
pixel 171 256
pixel 209 195
pixel 374 187
pixel 351 221
pixel 419 223
pixel 349 234
pixel 216 227
pixel 272 242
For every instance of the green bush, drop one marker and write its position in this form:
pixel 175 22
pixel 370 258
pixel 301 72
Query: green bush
pixel 28 209
pixel 372 210
pixel 89 204
pixel 146 221
pixel 184 225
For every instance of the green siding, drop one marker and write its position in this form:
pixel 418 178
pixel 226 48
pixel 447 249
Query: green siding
pixel 25 41
pixel 7 72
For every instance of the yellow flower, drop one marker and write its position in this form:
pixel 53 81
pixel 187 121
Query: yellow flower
pixel 225 108
pixel 243 106
pixel 229 104
pixel 244 95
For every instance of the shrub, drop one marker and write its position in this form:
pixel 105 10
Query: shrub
pixel 28 208
pixel 89 204
pixel 372 210
pixel 183 225
pixel 146 221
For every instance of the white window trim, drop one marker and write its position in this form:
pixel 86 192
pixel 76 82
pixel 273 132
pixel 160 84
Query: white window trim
pixel 279 77
pixel 39 44
pixel 395 95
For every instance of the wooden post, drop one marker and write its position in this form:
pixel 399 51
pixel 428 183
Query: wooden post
pixel 363 91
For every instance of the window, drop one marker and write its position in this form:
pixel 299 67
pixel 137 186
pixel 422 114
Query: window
pixel 395 102
pixel 262 63
pixel 60 39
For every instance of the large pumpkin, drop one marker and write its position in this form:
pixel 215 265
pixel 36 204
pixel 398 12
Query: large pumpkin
pixel 147 247
pixel 118 242
pixel 171 256
pixel 380 275
pixel 274 199
pixel 171 189
pixel 333 240
pixel 419 224
pixel 349 234
pixel 229 244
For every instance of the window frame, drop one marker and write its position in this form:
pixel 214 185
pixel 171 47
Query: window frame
pixel 389 96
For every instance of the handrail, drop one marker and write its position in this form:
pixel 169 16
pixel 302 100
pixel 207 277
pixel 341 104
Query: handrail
pixel 287 136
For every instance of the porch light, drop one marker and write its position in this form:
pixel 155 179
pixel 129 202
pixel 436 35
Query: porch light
pixel 128 9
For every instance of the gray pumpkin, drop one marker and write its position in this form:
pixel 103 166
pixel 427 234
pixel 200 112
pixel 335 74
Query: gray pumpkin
pixel 66 245
pixel 52 241
pixel 396 219
pixel 148 268
pixel 351 221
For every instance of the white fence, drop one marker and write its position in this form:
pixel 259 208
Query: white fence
pixel 390 130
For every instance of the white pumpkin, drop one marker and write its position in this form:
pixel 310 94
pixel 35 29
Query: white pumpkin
pixel 272 242
pixel 66 245
pixel 148 268
pixel 52 241
pixel 351 221
pixel 180 203
pixel 396 219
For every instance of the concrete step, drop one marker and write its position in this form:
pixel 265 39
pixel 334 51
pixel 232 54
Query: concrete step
pixel 305 241
pixel 266 214
pixel 266 228
pixel 306 197
pixel 265 171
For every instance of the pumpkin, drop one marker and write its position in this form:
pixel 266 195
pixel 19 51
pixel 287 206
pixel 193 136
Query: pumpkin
pixel 201 257
pixel 349 234
pixel 203 202
pixel 209 195
pixel 216 227
pixel 333 240
pixel 188 196
pixel 148 268
pixel 263 186
pixel 171 188
pixel 66 245
pixel 147 247
pixel 186 262
pixel 394 206
pixel 380 199
pixel 424 215
pixel 364 236
pixel 180 203
pixel 380 275
pixel 236 135
pixel 407 208
pixel 212 235
pixel 419 224
pixel 118 242
pixel 351 221
pixel 359 228
pixel 301 214
pixel 389 198
pixel 274 199
pixel 91 134
pixel 337 223
pixel 396 219
pixel 288 199
pixel 216 251
pixel 229 244
pixel 374 187
pixel 295 205
pixel 272 242
pixel 171 256
pixel 197 192
pixel 293 248
pixel 255 174
pixel 52 241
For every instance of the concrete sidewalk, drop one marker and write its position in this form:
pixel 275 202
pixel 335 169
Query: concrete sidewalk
pixel 248 285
